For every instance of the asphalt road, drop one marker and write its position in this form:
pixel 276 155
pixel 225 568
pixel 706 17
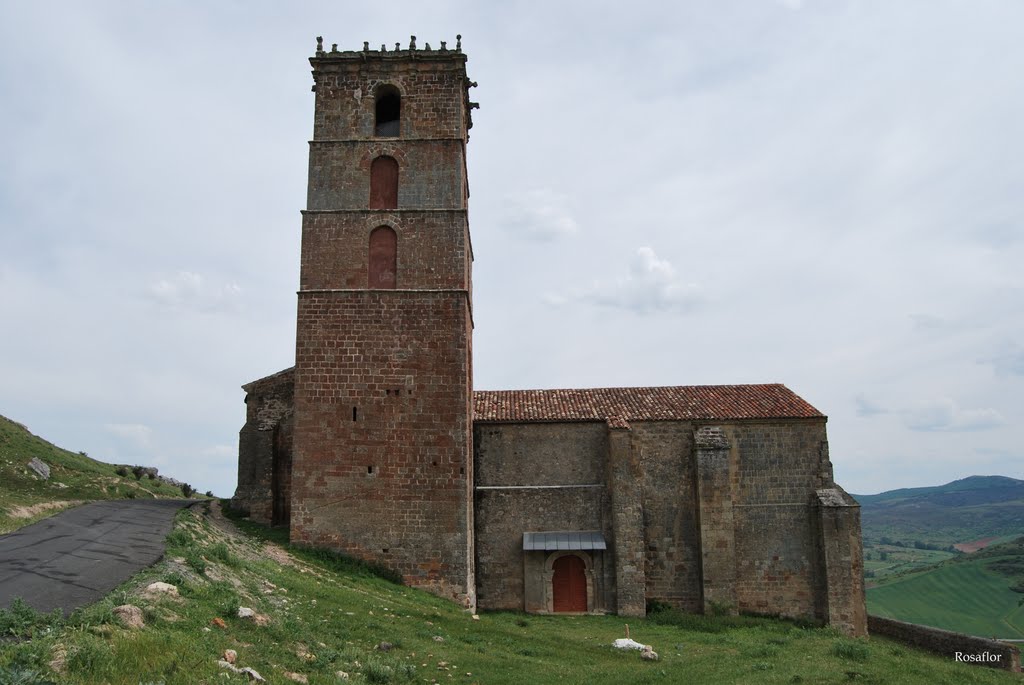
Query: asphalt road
pixel 78 556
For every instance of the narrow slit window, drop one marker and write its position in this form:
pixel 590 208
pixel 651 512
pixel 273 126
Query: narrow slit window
pixel 384 183
pixel 388 113
pixel 383 258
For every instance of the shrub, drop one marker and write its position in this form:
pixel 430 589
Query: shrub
pixel 179 537
pixel 14 675
pixel 376 671
pixel 187 490
pixel 139 472
pixel 21 620
pixel 123 471
pixel 221 553
pixel 196 562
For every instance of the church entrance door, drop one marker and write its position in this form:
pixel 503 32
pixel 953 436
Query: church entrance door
pixel 569 584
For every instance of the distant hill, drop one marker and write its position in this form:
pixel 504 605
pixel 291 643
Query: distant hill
pixel 74 478
pixel 959 512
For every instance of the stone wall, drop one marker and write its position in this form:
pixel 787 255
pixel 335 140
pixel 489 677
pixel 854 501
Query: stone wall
pixel 433 249
pixel 775 470
pixel 954 646
pixel 503 515
pixel 670 523
pixel 530 478
pixel 382 465
pixel 431 173
pixel 540 453
pixel 268 422
pixel 432 87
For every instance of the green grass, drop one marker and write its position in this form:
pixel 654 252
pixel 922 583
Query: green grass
pixel 326 616
pixel 964 596
pixel 74 478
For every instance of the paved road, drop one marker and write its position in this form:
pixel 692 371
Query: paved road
pixel 78 556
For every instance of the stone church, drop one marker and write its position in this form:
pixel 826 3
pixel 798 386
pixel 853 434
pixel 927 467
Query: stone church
pixel 375 444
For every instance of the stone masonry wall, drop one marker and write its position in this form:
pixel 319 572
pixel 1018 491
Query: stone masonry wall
pixel 269 408
pixel 978 651
pixel 431 173
pixel 670 517
pixel 775 471
pixel 433 97
pixel 540 453
pixel 382 464
pixel 546 475
pixel 383 436
pixel 432 249
pixel 502 516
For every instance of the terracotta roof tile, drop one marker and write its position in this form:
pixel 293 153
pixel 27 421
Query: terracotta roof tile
pixel 621 405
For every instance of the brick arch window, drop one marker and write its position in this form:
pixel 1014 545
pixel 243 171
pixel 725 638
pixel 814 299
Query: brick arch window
pixel 383 258
pixel 387 112
pixel 384 183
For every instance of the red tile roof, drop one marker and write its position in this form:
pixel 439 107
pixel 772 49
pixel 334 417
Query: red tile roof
pixel 618 406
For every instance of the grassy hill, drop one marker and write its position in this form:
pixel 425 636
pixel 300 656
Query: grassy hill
pixel 321 616
pixel 914 528
pixel 74 478
pixel 961 511
pixel 979 594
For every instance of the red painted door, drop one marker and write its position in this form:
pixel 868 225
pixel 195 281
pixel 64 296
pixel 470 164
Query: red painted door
pixel 569 584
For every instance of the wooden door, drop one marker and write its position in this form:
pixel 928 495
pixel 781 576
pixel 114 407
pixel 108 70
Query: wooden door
pixel 569 584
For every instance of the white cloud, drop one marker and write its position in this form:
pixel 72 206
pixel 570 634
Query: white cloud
pixel 651 286
pixel 943 414
pixel 866 407
pixel 1008 361
pixel 138 434
pixel 189 290
pixel 220 452
pixel 539 214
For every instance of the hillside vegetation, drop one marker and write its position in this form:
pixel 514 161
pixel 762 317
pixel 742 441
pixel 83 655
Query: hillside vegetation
pixel 323 619
pixel 960 511
pixel 74 478
pixel 979 594
pixel 913 528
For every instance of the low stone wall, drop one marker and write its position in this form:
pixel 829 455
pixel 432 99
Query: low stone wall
pixel 956 646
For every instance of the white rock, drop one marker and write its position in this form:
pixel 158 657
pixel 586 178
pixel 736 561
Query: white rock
pixel 253 675
pixel 41 469
pixel 626 643
pixel 246 612
pixel 159 588
pixel 130 616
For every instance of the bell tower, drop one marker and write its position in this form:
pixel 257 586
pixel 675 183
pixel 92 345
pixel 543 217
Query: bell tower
pixel 383 466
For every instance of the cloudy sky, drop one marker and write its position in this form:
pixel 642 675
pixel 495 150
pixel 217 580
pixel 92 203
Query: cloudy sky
pixel 823 193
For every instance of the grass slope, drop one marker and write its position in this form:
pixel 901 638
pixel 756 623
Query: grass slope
pixel 969 594
pixel 74 478
pixel 328 616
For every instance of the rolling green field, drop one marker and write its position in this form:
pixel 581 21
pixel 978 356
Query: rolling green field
pixel 965 596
